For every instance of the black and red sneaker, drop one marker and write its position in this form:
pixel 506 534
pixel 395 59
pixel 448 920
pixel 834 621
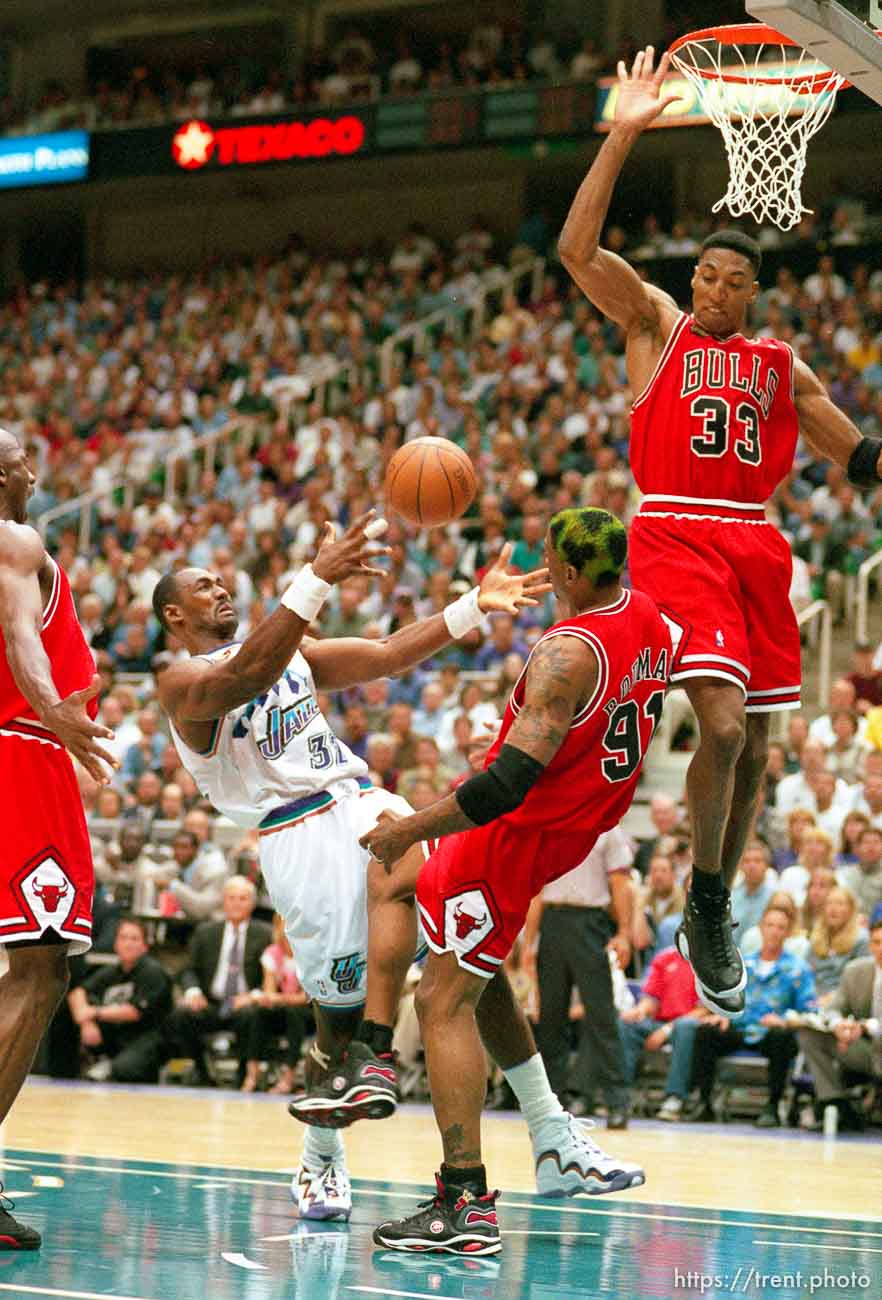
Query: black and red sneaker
pixel 361 1086
pixel 455 1221
pixel 15 1235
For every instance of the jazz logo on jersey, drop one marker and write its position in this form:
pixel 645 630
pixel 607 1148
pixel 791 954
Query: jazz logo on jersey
pixel 282 725
pixel 346 972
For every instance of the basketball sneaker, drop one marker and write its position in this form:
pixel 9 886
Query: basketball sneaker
pixel 704 939
pixel 454 1222
pixel 321 1190
pixel 361 1086
pixel 568 1162
pixel 15 1235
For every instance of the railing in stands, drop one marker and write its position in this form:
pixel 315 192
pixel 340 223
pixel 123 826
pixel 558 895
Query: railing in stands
pixel 84 507
pixel 818 619
pixel 863 596
pixel 461 320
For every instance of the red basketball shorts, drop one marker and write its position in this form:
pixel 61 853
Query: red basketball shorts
pixel 475 888
pixel 46 878
pixel 724 587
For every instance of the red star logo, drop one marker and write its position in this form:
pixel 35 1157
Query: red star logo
pixel 193 145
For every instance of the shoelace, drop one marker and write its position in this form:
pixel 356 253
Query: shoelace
pixel 579 1128
pixel 719 934
pixel 5 1203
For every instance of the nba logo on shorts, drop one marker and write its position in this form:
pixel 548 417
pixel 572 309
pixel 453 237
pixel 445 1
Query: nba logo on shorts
pixel 49 893
pixel 346 972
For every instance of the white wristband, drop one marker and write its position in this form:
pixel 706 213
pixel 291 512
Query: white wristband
pixel 464 614
pixel 306 594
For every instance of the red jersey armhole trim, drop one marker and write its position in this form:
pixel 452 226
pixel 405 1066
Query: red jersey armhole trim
pixel 663 359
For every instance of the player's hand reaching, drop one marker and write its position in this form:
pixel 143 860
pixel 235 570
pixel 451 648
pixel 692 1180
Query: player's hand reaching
pixel 390 839
pixel 352 555
pixel 639 101
pixel 78 733
pixel 508 593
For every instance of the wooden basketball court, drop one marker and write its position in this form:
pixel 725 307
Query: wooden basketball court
pixel 171 1194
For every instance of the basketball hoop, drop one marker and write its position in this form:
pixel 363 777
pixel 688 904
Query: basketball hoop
pixel 767 96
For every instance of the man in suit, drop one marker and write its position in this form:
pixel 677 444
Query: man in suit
pixel 854 1047
pixel 223 972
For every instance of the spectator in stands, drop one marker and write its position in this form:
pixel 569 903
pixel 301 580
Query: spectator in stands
pixel 224 970
pixel 119 1010
pixel 666 818
pixel 864 877
pixel 776 982
pixel 667 1012
pixel 119 866
pixel 145 809
pixel 146 753
pixel 798 822
pixel 754 885
pixel 428 718
pixel 825 557
pixel 868 799
pixel 866 680
pixel 821 881
pixel 854 823
pixel 837 938
pixel 282 1009
pixel 198 874
pixel 658 898
pixel 504 640
pixel 797 791
pixel 845 756
pixel 816 850
pixel 852 1051
pixel 830 813
pixel 569 930
pixel 796 940
pixel 381 760
pixel 842 697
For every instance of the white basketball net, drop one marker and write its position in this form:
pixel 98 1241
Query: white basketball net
pixel 766 119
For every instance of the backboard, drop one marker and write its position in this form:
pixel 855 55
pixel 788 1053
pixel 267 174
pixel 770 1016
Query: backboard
pixel 841 33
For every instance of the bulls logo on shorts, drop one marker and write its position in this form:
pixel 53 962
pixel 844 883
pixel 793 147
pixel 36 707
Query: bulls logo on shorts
pixel 468 919
pixel 49 893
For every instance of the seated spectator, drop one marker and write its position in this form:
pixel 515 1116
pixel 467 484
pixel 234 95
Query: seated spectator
pixel 659 897
pixel 146 753
pixel 145 809
pixel 282 1009
pixel 381 760
pixel 798 790
pixel 776 982
pixel 668 1011
pixel 836 939
pixel 868 799
pixel 852 1051
pixel 816 850
pixel 820 883
pixel 852 828
pixel 224 970
pixel 119 868
pixel 666 818
pixel 866 680
pixel 829 813
pixel 504 640
pixel 842 698
pixel 796 941
pixel 120 1008
pixel 195 880
pixel 799 822
pixel 754 885
pixel 845 757
pixel 400 727
pixel 864 878
pixel 171 802
pixel 428 718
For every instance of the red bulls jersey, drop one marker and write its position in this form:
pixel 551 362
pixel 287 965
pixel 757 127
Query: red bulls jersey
pixel 73 665
pixel 716 421
pixel 590 782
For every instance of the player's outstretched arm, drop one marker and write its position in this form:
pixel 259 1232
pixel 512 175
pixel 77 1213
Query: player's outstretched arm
pixel 830 432
pixel 198 690
pixel 347 661
pixel 21 620
pixel 562 674
pixel 607 280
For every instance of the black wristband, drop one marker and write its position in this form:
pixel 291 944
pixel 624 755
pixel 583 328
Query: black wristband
pixel 501 788
pixel 863 461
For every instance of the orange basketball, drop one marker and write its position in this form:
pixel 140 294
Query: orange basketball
pixel 430 481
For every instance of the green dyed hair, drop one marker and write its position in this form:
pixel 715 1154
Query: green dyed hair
pixel 593 541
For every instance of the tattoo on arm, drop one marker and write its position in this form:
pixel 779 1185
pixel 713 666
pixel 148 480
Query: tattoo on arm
pixel 562 675
pixel 453 1140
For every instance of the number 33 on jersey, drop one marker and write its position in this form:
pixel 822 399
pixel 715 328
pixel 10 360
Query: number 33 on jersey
pixel 716 421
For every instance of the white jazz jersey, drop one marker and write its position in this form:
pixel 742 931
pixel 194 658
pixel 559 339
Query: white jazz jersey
pixel 275 749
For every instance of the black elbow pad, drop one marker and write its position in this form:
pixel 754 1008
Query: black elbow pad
pixel 501 788
pixel 862 462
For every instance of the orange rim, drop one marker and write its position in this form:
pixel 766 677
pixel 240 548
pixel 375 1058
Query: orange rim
pixel 807 83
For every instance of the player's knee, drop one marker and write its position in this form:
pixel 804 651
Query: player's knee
pixel 727 734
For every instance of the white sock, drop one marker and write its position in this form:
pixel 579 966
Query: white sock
pixel 321 1145
pixel 530 1085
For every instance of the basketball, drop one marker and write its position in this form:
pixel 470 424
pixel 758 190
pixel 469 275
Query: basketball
pixel 430 481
